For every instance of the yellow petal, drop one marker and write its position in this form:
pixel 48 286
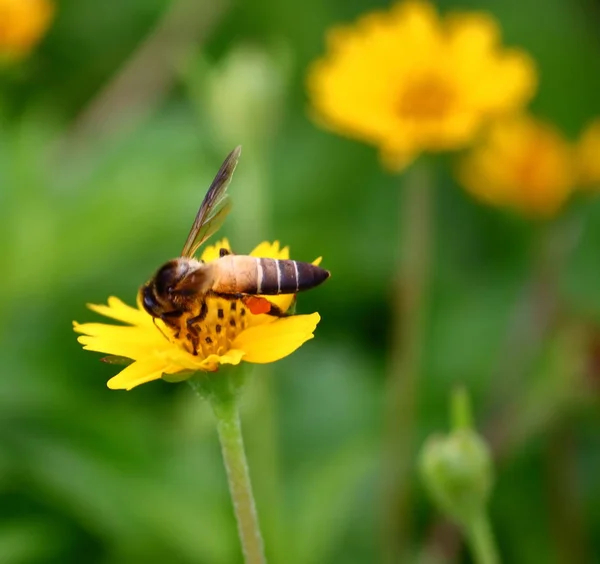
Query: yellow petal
pixel 232 356
pixel 587 151
pixel 271 341
pixel 23 23
pixel 132 342
pixel 137 373
pixel 211 252
pixel 282 301
pixel 116 309
pixel 271 250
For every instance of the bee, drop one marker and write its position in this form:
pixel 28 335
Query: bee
pixel 178 293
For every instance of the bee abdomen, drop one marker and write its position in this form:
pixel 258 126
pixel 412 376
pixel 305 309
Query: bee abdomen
pixel 276 276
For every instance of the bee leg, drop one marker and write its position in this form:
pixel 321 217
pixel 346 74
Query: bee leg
pixel 193 334
pixel 223 252
pixel 170 315
pixel 276 311
pixel 200 317
pixel 195 341
pixel 255 304
pixel 193 330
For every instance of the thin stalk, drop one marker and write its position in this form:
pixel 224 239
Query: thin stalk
pixel 565 499
pixel 222 391
pixel 533 317
pixel 238 477
pixel 481 541
pixel 264 451
pixel 405 363
pixel 146 77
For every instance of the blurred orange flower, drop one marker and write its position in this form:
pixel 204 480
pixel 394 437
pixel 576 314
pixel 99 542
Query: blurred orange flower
pixel 409 81
pixel 588 156
pixel 523 163
pixel 22 23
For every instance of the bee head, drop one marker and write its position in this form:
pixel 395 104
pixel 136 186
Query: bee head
pixel 164 291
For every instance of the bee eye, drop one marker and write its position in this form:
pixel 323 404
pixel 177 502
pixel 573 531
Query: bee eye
pixel 163 281
pixel 149 301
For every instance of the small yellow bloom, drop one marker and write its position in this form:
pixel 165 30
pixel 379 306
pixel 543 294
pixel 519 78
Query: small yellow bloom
pixel 240 336
pixel 408 81
pixel 22 23
pixel 588 156
pixel 524 164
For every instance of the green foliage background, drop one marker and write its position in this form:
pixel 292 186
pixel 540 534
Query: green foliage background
pixel 92 475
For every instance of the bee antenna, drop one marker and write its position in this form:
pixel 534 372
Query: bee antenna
pixel 163 333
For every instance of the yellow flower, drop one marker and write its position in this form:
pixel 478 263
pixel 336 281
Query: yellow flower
pixel 524 164
pixel 588 156
pixel 408 81
pixel 22 23
pixel 244 336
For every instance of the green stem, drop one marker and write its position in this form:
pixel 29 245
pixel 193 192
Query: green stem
pixel 405 363
pixel 222 390
pixel 481 540
pixel 533 318
pixel 460 410
pixel 234 457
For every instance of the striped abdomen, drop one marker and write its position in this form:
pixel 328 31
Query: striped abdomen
pixel 241 274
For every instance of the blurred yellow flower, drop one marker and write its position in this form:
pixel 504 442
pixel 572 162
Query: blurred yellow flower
pixel 251 338
pixel 22 23
pixel 409 81
pixel 588 156
pixel 523 163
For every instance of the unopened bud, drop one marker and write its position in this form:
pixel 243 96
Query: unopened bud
pixel 245 95
pixel 457 468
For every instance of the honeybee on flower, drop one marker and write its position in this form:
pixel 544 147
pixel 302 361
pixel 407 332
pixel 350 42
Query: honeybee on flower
pixel 194 315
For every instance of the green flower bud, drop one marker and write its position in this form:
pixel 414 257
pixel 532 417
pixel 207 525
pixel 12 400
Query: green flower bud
pixel 457 468
pixel 245 94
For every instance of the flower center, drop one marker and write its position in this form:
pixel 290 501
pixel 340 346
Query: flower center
pixel 212 329
pixel 539 174
pixel 426 98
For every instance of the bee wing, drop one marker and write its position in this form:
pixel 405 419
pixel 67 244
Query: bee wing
pixel 214 208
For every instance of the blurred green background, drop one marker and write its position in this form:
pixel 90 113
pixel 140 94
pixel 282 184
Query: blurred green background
pixel 110 133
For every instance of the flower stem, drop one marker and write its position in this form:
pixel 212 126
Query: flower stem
pixel 481 540
pixel 222 391
pixel 234 457
pixel 405 363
